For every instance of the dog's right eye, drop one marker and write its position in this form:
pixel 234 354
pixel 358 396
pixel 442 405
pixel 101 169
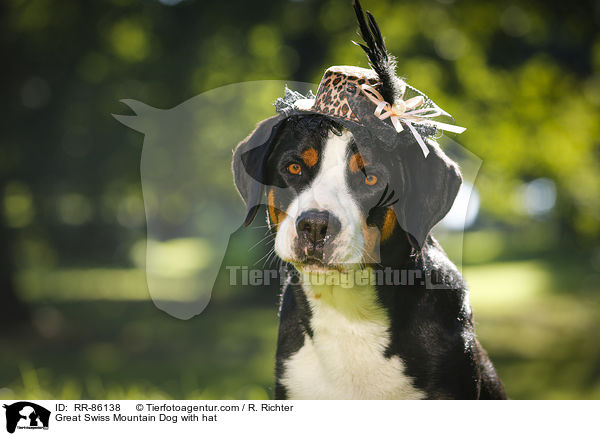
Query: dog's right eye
pixel 371 180
pixel 294 169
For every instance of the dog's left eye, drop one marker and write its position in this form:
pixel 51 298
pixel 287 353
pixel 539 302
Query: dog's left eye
pixel 295 169
pixel 371 180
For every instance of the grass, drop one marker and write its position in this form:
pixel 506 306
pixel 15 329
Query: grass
pixel 132 350
pixel 542 336
pixel 539 320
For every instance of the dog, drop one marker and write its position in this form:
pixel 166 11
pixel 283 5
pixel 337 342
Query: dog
pixel 372 307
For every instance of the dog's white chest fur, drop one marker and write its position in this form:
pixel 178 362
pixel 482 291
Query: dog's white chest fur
pixel 345 357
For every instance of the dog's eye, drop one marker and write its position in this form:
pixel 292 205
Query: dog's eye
pixel 371 180
pixel 295 169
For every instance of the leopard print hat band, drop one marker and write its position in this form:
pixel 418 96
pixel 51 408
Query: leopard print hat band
pixel 340 91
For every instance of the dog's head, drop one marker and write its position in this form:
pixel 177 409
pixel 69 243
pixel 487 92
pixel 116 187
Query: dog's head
pixel 338 179
pixel 332 199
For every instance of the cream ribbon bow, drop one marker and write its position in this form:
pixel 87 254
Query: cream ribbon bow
pixel 408 112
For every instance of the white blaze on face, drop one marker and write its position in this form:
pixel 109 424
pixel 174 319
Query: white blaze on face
pixel 329 191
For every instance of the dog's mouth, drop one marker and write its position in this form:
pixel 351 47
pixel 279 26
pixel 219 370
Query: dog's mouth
pixel 313 264
pixel 317 265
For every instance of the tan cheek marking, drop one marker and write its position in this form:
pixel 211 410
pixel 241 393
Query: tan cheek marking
pixel 371 236
pixel 389 223
pixel 356 163
pixel 276 215
pixel 310 156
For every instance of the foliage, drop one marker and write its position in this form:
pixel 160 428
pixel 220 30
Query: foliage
pixel 523 77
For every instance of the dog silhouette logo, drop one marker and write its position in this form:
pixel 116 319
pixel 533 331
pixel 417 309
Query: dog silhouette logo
pixel 26 415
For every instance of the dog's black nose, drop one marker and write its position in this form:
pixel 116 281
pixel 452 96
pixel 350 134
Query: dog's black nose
pixel 314 228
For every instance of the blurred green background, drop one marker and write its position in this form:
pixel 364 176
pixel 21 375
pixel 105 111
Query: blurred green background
pixel 76 318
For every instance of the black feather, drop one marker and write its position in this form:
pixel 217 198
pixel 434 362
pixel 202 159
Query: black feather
pixel 380 60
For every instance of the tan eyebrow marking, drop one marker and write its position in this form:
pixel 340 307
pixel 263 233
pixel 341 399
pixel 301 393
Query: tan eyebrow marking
pixel 310 156
pixel 389 223
pixel 357 163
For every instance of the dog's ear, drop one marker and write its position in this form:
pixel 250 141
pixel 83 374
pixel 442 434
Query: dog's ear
pixel 428 189
pixel 249 161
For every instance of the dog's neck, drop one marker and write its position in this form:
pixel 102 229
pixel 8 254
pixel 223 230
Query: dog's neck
pixel 350 294
pixel 397 251
pixel 324 284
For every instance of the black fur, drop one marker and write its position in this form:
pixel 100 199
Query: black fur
pixel 294 315
pixel 432 327
pixel 249 160
pixel 430 187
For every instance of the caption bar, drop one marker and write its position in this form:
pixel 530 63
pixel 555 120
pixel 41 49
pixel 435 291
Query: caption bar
pixel 65 418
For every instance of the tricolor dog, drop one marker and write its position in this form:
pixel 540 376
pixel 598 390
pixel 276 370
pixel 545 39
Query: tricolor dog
pixel 354 183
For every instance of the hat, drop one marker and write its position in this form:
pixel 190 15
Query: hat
pixel 374 98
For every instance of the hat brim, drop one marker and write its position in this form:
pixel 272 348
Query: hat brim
pixel 362 132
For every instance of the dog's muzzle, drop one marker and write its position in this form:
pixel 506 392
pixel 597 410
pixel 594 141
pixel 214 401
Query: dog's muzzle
pixel 316 230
